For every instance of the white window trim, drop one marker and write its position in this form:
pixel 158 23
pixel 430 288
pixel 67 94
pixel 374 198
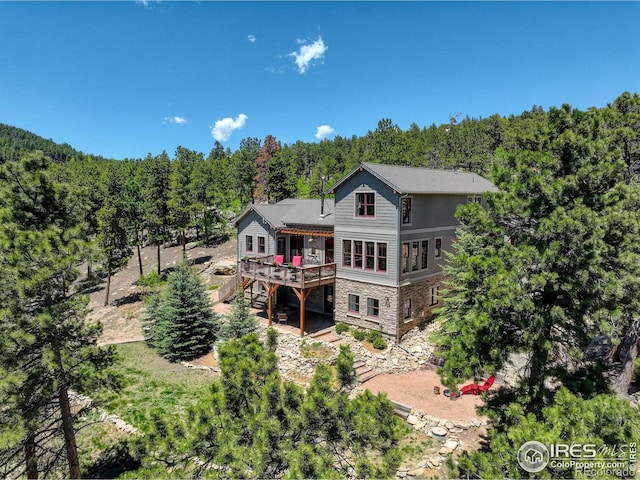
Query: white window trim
pixel 434 299
pixel 435 250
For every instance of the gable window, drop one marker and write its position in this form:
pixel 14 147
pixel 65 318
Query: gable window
pixel 365 204
pixel 405 257
pixel 346 253
pixel 369 255
pixel 357 254
pixel 248 239
pixel 261 245
pixel 438 249
pixel 406 210
pixel 414 255
pixel 434 296
pixel 424 254
pixel 407 308
pixel 382 257
pixel 373 307
pixel 354 303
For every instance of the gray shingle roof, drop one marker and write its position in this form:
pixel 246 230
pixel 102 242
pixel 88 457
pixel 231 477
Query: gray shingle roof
pixel 406 180
pixel 295 211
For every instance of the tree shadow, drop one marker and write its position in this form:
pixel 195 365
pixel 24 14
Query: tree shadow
pixel 113 462
pixel 199 260
pixel 128 299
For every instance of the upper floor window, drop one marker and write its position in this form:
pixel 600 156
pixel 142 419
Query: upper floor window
pixel 261 245
pixel 346 253
pixel 405 257
pixel 248 239
pixel 415 245
pixel 382 257
pixel 474 198
pixel 365 204
pixel 438 249
pixel 357 254
pixel 369 255
pixel 406 210
pixel 424 254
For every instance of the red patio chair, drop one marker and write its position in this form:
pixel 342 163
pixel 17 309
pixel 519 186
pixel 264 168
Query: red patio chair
pixel 474 389
pixel 296 261
pixel 278 259
pixel 487 385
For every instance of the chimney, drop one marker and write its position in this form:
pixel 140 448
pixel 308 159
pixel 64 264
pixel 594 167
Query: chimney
pixel 322 199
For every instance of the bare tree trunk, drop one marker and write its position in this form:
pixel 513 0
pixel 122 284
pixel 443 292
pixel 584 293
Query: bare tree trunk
pixel 139 241
pixel 30 456
pixel 158 259
pixel 628 352
pixel 106 297
pixel 184 242
pixel 139 260
pixel 67 421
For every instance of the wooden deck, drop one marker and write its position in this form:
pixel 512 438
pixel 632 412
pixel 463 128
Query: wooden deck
pixel 307 276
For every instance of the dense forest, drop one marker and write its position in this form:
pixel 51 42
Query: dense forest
pixel 569 203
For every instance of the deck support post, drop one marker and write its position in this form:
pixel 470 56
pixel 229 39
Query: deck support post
pixel 302 296
pixel 271 289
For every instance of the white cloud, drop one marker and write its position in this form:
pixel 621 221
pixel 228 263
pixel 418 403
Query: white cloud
pixel 223 129
pixel 176 120
pixel 308 53
pixel 251 38
pixel 324 131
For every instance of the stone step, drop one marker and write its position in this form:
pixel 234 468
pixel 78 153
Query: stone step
pixel 358 363
pixel 361 370
pixel 368 376
pixel 401 409
pixel 319 333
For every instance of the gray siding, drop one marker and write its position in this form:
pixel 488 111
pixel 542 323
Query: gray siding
pixel 382 228
pixel 431 211
pixel 253 225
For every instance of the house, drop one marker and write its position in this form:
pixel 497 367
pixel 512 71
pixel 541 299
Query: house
pixel 372 256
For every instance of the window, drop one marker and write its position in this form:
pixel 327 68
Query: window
pixel 424 254
pixel 414 255
pixel 369 255
pixel 382 257
pixel 438 249
pixel 405 257
pixel 357 254
pixel 407 308
pixel 434 296
pixel 249 243
pixel 474 198
pixel 365 204
pixel 373 307
pixel 406 210
pixel 346 253
pixel 354 303
pixel 261 245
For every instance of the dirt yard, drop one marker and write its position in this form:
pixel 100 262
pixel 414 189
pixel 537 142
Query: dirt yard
pixel 121 317
pixel 121 324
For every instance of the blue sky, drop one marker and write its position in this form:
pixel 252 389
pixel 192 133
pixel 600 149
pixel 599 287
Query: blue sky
pixel 123 79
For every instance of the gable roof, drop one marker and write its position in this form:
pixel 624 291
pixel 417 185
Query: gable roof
pixel 293 211
pixel 406 180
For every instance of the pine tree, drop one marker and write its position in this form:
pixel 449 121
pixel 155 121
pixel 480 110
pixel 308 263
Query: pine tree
pixel 183 325
pixel 47 347
pixel 156 197
pixel 565 277
pixel 240 321
pixel 254 424
pixel 114 234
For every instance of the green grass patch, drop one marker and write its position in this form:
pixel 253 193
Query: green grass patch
pixel 213 287
pixel 316 350
pixel 152 382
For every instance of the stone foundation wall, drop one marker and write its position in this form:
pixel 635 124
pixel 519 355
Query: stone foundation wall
pixel 387 320
pixel 420 295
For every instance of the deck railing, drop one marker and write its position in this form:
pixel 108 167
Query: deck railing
pixel 264 268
